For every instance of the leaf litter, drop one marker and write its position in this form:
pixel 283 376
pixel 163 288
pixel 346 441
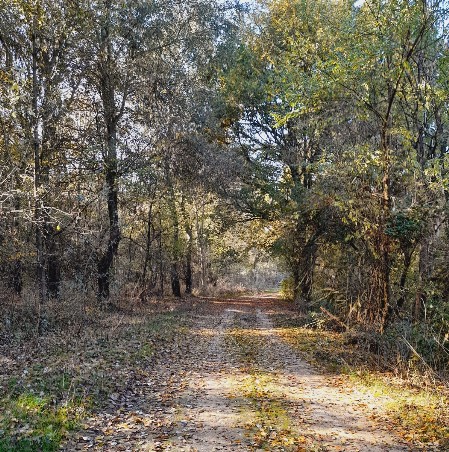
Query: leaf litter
pixel 211 375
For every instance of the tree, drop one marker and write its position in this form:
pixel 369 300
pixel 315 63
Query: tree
pixel 320 92
pixel 39 54
pixel 284 143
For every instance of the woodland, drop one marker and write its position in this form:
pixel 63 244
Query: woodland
pixel 168 149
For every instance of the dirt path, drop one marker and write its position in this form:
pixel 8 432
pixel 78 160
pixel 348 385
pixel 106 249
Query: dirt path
pixel 230 383
pixel 332 416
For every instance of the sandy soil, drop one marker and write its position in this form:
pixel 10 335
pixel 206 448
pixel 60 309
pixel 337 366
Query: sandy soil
pixel 230 383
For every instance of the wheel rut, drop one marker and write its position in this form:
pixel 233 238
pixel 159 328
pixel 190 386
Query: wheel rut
pixel 231 383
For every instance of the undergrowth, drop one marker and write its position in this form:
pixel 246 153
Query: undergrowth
pixel 417 403
pixel 51 381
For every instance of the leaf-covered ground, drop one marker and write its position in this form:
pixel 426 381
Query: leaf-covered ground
pixel 205 375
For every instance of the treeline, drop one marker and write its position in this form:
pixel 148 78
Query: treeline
pixel 160 145
pixel 341 109
pixel 110 144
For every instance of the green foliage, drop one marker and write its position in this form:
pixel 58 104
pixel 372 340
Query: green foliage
pixel 286 288
pixel 404 228
pixel 355 106
pixel 43 423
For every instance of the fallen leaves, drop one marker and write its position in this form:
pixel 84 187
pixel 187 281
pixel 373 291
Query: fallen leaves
pixel 54 383
pixel 417 415
pixel 190 377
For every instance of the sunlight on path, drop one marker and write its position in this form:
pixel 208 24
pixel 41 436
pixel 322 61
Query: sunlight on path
pixel 333 418
pixel 223 407
pixel 208 413
pixel 230 383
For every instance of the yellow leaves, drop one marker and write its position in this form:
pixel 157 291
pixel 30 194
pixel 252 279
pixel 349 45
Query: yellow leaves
pixel 417 417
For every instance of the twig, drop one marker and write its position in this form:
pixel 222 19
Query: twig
pixel 333 317
pixel 118 324
pixel 418 355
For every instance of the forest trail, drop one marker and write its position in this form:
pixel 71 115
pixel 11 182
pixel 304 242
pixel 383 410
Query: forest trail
pixel 230 383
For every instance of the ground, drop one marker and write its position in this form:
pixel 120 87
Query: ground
pixel 201 375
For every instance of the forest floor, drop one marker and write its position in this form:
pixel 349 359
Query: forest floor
pixel 207 375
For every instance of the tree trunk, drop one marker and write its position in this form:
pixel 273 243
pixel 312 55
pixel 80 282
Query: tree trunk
pixel 189 249
pixel 384 240
pixel 53 263
pixel 161 259
pixel 105 262
pixel 38 212
pixel 308 263
pixel 188 276
pixel 295 264
pixel 175 282
pixel 148 244
pixel 201 244
pixel 175 252
pixel 111 117
pixel 304 275
pixel 16 276
pixel 296 275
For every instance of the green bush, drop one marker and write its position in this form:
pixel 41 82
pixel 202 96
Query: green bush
pixel 286 288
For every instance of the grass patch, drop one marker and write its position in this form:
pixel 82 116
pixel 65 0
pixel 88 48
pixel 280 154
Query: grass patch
pixel 417 414
pixel 33 422
pixel 324 349
pixel 268 424
pixel 270 428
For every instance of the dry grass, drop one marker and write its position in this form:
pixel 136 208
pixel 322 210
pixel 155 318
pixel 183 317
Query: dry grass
pixel 62 360
pixel 418 404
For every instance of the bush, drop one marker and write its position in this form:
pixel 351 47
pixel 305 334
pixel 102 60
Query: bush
pixel 286 288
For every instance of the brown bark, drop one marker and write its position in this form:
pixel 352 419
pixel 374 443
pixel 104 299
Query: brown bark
pixel 303 275
pixel 174 271
pixel 148 243
pixel 38 212
pixel 111 117
pixel 189 249
pixel 53 269
pixel 384 242
pixel 188 275
pixel 106 260
pixel 175 281
pixel 161 259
